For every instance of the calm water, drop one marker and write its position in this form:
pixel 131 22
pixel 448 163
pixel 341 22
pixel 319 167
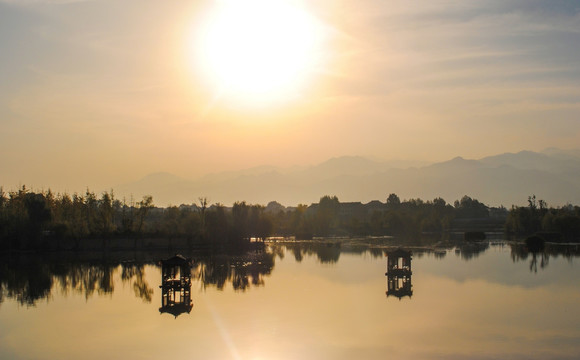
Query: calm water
pixel 297 301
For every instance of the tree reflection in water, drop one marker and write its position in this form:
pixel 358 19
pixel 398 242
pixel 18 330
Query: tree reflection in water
pixel 471 250
pixel 241 271
pixel 28 279
pixel 86 279
pixel 135 273
pixel 326 252
pixel 521 252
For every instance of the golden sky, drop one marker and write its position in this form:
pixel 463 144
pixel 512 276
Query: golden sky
pixel 98 93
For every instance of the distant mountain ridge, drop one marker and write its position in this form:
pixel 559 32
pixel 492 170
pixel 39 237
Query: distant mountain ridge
pixel 503 179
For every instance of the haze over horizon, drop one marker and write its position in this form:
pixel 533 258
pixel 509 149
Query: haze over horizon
pixel 502 179
pixel 100 92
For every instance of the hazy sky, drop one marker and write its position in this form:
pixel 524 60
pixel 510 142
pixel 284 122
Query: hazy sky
pixel 103 92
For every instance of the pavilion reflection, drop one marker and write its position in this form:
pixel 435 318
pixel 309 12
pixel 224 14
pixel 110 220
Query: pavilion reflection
pixel 176 286
pixel 399 273
pixel 30 278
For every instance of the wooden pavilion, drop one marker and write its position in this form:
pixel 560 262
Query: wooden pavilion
pixel 176 286
pixel 399 273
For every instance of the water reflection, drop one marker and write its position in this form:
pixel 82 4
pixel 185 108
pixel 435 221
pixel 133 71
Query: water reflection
pixel 176 286
pixel 471 250
pixel 26 281
pixel 399 273
pixel 327 252
pixel 29 278
pixel 521 252
pixel 486 308
pixel 242 271
pixel 135 273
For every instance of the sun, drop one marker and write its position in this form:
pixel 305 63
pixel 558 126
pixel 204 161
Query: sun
pixel 257 51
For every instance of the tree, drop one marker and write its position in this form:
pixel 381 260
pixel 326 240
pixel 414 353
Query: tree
pixel 217 226
pixel 38 215
pixel 439 203
pixel 470 208
pixel 106 210
pixel 240 219
pixel 202 208
pixel 90 203
pixel 327 215
pixel 143 208
pixel 393 201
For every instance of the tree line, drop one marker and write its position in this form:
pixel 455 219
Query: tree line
pixel 553 224
pixel 32 220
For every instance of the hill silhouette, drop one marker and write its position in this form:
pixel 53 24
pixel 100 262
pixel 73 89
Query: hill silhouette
pixel 508 178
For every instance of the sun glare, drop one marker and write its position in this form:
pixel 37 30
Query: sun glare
pixel 257 51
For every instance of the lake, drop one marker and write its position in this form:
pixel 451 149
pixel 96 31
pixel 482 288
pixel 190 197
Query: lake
pixel 296 301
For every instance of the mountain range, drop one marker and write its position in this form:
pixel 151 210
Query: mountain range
pixel 505 179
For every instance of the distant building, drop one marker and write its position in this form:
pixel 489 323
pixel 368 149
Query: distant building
pixel 349 210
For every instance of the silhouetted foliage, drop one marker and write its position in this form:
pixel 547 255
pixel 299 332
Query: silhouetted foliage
pixel 543 252
pixel 242 271
pixel 326 216
pixel 552 224
pixel 43 220
pixel 393 202
pixel 471 250
pixel 30 278
pixel 474 236
pixel 470 208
